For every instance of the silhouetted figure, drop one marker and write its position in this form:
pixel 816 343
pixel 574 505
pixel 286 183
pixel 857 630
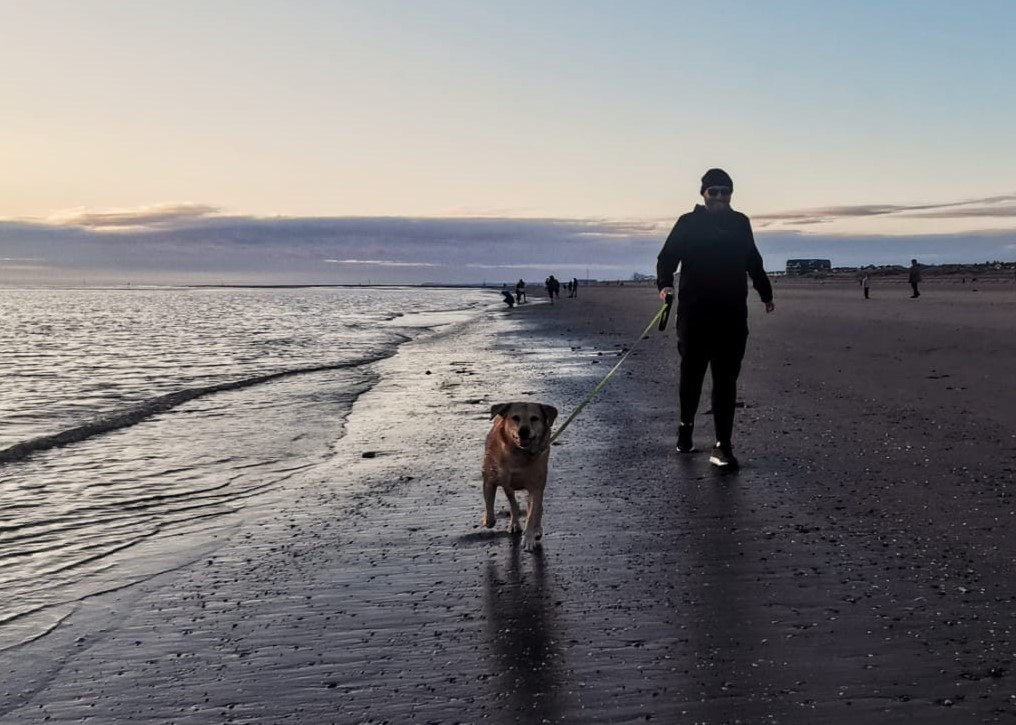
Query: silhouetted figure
pixel 553 288
pixel 914 278
pixel 866 284
pixel 574 288
pixel 508 299
pixel 520 291
pixel 715 248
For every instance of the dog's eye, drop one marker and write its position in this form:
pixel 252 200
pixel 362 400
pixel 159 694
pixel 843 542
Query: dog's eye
pixel 534 418
pixel 517 419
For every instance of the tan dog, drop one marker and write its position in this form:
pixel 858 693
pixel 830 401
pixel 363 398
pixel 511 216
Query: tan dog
pixel 518 447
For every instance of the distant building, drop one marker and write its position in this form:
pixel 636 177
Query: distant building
pixel 803 266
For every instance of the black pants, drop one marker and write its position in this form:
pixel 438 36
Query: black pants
pixel 720 348
pixel 914 286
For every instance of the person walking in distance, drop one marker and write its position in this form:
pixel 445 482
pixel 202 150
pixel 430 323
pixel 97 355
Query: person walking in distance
pixel 520 291
pixel 914 278
pixel 715 248
pixel 866 285
pixel 551 282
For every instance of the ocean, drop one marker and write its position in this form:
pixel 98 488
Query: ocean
pixel 136 424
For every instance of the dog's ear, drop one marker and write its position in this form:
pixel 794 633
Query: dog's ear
pixel 499 409
pixel 549 414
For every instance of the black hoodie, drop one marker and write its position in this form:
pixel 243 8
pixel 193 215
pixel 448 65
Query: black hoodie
pixel 715 250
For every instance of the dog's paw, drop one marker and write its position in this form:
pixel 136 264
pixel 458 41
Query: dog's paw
pixel 488 521
pixel 514 527
pixel 531 542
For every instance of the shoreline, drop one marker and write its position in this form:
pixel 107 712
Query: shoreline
pixel 856 570
pixel 836 276
pixel 44 608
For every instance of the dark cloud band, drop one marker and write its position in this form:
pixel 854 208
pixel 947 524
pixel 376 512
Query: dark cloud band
pixel 192 245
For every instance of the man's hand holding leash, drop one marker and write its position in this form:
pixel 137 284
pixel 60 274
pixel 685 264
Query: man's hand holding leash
pixel 669 292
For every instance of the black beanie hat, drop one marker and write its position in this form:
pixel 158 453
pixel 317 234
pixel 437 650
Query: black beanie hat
pixel 716 177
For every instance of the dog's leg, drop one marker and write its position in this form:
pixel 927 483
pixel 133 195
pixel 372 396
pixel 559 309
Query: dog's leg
pixel 489 492
pixel 534 522
pixel 513 526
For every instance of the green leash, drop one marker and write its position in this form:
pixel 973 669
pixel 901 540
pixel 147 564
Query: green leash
pixel 665 310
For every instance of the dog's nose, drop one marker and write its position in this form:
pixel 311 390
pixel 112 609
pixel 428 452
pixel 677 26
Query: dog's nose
pixel 523 433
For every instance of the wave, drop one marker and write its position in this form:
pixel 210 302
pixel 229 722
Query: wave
pixel 154 406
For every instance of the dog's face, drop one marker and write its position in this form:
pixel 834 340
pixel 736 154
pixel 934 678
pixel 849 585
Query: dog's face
pixel 527 424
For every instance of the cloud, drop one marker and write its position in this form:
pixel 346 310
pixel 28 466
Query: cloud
pixel 190 244
pixel 382 263
pixel 995 206
pixel 145 218
pixel 186 242
pixel 544 265
pixel 858 250
pixel 1007 210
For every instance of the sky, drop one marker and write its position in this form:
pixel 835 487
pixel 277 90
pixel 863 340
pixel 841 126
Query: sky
pixel 244 141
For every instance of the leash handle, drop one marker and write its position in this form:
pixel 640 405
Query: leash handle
pixel 599 386
pixel 669 301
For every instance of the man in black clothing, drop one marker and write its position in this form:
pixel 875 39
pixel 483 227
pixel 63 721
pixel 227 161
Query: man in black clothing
pixel 914 278
pixel 715 249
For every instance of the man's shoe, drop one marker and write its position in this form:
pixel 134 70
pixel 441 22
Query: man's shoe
pixel 723 458
pixel 684 442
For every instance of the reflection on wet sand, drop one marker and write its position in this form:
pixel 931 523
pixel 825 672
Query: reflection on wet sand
pixel 522 636
pixel 727 608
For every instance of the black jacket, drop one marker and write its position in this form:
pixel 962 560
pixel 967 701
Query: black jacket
pixel 715 251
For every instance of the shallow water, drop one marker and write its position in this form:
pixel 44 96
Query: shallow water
pixel 70 356
pixel 130 421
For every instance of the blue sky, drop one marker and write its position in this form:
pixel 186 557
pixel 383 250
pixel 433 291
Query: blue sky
pixel 860 131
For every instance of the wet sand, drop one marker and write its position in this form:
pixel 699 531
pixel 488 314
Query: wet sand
pixel 858 569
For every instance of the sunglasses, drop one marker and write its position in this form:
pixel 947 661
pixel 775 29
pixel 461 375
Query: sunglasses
pixel 715 191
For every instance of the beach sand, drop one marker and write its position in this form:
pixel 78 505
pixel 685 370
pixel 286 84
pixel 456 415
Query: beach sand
pixel 859 568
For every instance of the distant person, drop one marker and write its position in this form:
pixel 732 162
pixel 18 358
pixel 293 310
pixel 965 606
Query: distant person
pixel 914 278
pixel 520 291
pixel 574 287
pixel 716 251
pixel 508 299
pixel 866 284
pixel 549 283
